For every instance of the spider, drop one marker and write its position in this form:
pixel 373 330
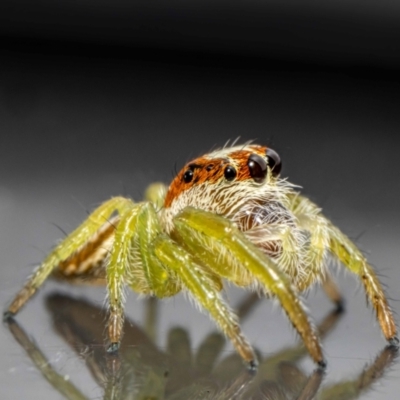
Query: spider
pixel 226 216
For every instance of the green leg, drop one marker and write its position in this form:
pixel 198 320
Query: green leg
pixel 205 288
pixel 311 219
pixel 352 258
pixel 159 281
pixel 155 193
pixel 132 263
pixel 117 270
pixel 349 255
pixel 66 248
pixel 208 236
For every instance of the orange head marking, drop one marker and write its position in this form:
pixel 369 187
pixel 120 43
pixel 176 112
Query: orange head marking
pixel 225 167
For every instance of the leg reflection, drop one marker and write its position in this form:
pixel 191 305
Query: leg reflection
pixel 143 371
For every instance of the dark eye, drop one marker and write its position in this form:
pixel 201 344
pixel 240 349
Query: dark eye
pixel 188 176
pixel 257 167
pixel 274 162
pixel 230 173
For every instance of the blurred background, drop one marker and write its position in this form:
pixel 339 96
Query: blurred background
pixel 101 98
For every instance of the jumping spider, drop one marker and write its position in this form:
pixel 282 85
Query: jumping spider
pixel 226 215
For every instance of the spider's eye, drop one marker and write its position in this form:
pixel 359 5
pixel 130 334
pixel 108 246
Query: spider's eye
pixel 230 173
pixel 188 176
pixel 274 162
pixel 257 167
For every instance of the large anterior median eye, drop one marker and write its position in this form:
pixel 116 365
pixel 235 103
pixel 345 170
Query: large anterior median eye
pixel 188 176
pixel 257 167
pixel 274 162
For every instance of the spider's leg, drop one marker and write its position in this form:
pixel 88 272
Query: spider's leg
pixel 72 243
pixel 205 288
pixel 310 218
pixel 209 236
pixel 132 263
pixel 333 292
pixel 146 269
pixel 155 193
pixel 116 272
pixel 352 258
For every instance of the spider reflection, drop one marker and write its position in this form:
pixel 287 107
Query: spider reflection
pixel 142 371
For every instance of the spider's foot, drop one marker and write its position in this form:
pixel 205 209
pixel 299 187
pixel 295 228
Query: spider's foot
pixel 394 342
pixel 113 348
pixel 8 316
pixel 322 365
pixel 340 306
pixel 252 366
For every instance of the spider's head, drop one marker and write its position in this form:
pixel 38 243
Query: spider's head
pixel 224 179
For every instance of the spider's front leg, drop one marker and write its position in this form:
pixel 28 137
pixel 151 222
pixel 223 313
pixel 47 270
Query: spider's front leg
pixel 205 288
pixel 116 272
pixel 133 263
pixel 212 238
pixel 75 241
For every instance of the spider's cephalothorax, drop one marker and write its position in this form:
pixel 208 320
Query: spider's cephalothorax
pixel 226 215
pixel 242 184
pixel 226 182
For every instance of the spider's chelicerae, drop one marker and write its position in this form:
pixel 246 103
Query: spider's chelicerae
pixel 226 215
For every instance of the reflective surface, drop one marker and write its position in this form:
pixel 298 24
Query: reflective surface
pixel 141 370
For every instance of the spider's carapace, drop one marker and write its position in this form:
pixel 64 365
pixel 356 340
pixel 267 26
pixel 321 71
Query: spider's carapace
pixel 226 216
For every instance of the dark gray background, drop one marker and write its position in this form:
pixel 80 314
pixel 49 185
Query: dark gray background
pixel 99 99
